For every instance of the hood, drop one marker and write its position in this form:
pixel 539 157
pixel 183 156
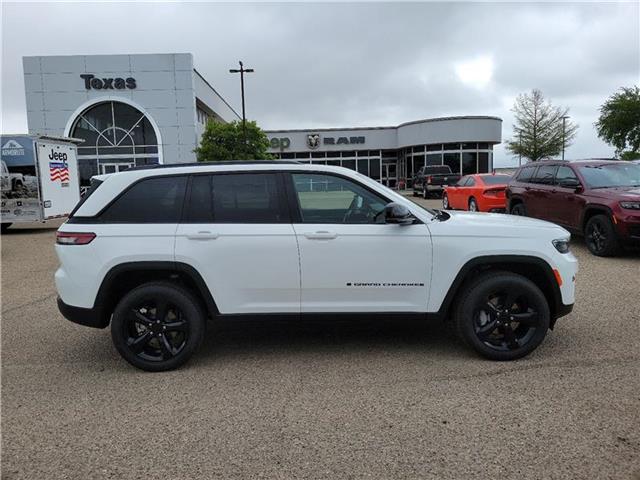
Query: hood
pixel 497 225
pixel 618 193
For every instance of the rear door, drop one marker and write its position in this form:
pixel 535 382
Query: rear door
pixel 351 261
pixel 59 178
pixel 540 199
pixel 237 233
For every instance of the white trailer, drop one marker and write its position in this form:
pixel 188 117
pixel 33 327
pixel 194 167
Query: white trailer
pixel 39 178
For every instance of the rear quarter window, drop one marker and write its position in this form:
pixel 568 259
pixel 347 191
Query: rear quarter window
pixel 152 200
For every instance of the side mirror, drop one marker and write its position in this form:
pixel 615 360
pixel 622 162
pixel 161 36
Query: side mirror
pixel 398 214
pixel 570 183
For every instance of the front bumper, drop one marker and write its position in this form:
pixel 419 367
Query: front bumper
pixel 89 317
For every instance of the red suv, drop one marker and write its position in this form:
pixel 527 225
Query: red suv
pixel 599 199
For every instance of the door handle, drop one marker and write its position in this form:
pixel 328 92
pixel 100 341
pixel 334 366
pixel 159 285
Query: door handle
pixel 321 235
pixel 202 235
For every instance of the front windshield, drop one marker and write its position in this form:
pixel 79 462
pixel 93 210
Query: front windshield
pixel 623 174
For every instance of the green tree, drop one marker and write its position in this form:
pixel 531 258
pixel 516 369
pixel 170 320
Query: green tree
pixel 226 141
pixel 619 122
pixel 539 127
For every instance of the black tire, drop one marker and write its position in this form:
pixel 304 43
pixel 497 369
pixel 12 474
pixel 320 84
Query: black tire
pixel 5 226
pixel 519 209
pixel 600 236
pixel 162 343
pixel 445 202
pixel 498 331
pixel 473 205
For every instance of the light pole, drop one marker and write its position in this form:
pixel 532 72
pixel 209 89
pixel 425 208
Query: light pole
pixel 519 147
pixel 242 71
pixel 564 124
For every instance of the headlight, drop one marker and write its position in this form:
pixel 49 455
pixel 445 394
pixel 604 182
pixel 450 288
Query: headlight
pixel 630 205
pixel 562 245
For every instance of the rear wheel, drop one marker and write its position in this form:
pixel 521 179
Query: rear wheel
pixel 473 205
pixel 519 209
pixel 601 236
pixel 425 193
pixel 502 316
pixel 445 202
pixel 157 326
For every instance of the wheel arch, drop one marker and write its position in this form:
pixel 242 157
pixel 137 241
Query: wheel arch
pixel 123 277
pixel 533 268
pixel 591 211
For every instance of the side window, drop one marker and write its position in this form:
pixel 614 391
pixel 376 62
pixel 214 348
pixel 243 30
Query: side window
pixel 565 173
pixel 462 181
pixel 525 174
pixel 331 199
pixel 235 198
pixel 544 175
pixel 471 182
pixel 153 200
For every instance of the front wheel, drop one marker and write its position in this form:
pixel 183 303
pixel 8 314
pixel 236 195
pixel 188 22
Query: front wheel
pixel 601 237
pixel 502 316
pixel 157 326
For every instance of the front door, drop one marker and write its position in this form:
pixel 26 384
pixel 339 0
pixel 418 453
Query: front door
pixel 350 260
pixel 237 233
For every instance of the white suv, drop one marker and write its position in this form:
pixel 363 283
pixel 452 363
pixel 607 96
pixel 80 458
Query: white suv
pixel 157 251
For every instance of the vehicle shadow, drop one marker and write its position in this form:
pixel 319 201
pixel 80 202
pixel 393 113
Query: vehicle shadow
pixel 228 339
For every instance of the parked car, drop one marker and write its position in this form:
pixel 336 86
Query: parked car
pixel 595 198
pixel 477 193
pixel 431 180
pixel 155 251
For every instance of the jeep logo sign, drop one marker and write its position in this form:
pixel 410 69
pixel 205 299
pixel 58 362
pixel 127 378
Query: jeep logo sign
pixel 280 143
pixel 91 81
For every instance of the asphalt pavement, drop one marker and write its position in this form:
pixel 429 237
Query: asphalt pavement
pixel 333 400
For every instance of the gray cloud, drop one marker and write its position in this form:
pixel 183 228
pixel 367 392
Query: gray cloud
pixel 354 64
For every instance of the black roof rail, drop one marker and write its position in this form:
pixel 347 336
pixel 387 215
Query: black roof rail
pixel 209 164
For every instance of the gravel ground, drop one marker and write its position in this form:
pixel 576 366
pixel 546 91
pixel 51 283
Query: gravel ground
pixel 341 400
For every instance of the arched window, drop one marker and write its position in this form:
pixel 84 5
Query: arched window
pixel 116 136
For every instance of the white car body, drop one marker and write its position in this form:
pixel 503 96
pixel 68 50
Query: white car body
pixel 307 268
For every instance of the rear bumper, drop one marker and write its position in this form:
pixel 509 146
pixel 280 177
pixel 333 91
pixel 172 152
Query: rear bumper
pixel 89 317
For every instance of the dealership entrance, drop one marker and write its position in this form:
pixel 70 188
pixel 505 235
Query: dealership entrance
pixel 117 136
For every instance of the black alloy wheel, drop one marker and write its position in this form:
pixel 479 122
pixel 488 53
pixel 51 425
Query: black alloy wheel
pixel 502 315
pixel 157 326
pixel 600 236
pixel 519 209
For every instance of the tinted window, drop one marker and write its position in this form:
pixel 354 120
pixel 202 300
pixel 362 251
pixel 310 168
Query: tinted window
pixel 331 199
pixel 496 179
pixel 436 170
pixel 544 175
pixel 525 174
pixel 471 182
pixel 462 181
pixel 154 200
pixel 564 173
pixel 235 198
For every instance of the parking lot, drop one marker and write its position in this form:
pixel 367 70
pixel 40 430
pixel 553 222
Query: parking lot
pixel 284 399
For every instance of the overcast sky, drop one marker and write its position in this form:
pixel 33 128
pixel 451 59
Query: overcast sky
pixel 356 64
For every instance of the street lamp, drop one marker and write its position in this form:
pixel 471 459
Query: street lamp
pixel 242 71
pixel 564 124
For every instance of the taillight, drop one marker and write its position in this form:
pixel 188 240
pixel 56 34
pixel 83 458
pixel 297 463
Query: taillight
pixel 74 238
pixel 429 179
pixel 494 192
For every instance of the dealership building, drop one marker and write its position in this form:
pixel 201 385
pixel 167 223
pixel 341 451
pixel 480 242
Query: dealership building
pixel 144 109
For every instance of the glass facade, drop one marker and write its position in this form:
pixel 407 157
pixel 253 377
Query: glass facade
pixel 116 137
pixel 396 168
